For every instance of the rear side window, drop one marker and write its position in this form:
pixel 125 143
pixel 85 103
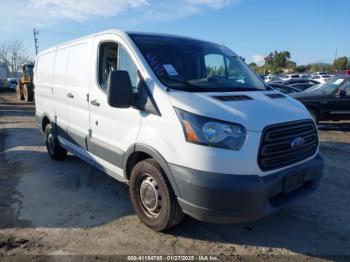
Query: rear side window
pixel 113 56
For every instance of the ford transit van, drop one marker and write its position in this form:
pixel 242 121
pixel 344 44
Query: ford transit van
pixel 183 122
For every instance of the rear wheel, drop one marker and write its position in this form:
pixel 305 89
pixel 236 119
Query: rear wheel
pixel 28 92
pixel 19 94
pixel 152 196
pixel 56 152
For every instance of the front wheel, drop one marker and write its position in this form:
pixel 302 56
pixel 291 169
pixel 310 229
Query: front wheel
pixel 152 196
pixel 56 152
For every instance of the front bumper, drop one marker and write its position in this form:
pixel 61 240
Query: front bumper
pixel 227 198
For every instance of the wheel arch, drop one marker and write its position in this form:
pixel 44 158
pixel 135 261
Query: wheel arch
pixel 45 122
pixel 139 152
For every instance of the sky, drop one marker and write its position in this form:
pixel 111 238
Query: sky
pixel 311 30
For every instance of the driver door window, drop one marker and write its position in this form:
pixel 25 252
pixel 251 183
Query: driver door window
pixel 115 57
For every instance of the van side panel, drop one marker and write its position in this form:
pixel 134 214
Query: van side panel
pixel 43 82
pixel 59 88
pixel 78 83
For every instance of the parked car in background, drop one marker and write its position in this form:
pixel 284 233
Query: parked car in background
pixel 290 76
pixel 305 76
pixel 320 74
pixel 272 78
pixel 321 78
pixel 302 86
pixel 300 83
pixel 2 86
pixel 283 88
pixel 346 72
pixel 330 101
pixel 12 83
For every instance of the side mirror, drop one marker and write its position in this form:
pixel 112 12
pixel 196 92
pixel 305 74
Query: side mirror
pixel 119 90
pixel 341 93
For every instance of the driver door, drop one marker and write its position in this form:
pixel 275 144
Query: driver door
pixel 112 130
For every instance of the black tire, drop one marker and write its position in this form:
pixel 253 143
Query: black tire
pixel 314 115
pixel 167 213
pixel 19 94
pixel 28 92
pixel 56 152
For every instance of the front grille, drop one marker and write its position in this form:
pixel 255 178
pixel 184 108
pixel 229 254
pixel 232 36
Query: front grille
pixel 286 144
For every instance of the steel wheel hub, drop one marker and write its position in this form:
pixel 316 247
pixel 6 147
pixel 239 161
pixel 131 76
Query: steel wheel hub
pixel 150 196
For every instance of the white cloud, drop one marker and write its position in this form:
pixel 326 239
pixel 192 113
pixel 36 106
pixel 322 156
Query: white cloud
pixel 211 3
pixel 258 59
pixel 82 10
pixel 44 13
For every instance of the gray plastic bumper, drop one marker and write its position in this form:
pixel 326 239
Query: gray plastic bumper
pixel 229 198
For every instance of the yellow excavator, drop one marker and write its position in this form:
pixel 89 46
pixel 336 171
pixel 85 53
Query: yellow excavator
pixel 25 87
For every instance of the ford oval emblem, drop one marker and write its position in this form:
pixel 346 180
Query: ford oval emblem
pixel 297 142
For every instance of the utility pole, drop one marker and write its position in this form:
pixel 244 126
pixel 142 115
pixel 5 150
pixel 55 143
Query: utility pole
pixel 265 61
pixel 336 54
pixel 36 40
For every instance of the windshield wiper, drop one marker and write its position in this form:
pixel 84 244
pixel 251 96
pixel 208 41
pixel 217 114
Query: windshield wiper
pixel 185 83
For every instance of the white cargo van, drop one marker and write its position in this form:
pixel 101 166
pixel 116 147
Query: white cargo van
pixel 185 123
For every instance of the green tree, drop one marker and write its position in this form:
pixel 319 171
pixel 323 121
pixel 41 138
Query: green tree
pixel 277 61
pixel 291 66
pixel 327 68
pixel 340 63
pixel 300 69
pixel 254 66
pixel 314 68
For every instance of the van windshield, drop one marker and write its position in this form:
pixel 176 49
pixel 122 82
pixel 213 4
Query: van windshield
pixel 196 66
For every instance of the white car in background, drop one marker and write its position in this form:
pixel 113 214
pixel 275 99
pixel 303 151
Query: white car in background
pixel 271 78
pixel 290 76
pixel 321 78
pixel 320 74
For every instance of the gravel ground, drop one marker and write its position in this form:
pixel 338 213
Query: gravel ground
pixel 70 208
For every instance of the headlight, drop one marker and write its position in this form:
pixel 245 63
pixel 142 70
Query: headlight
pixel 211 132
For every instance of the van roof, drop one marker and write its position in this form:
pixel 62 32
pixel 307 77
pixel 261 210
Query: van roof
pixel 117 32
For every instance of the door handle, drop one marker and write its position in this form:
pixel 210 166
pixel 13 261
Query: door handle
pixel 70 95
pixel 95 103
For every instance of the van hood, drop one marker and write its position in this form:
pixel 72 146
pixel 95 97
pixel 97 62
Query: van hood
pixel 254 110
